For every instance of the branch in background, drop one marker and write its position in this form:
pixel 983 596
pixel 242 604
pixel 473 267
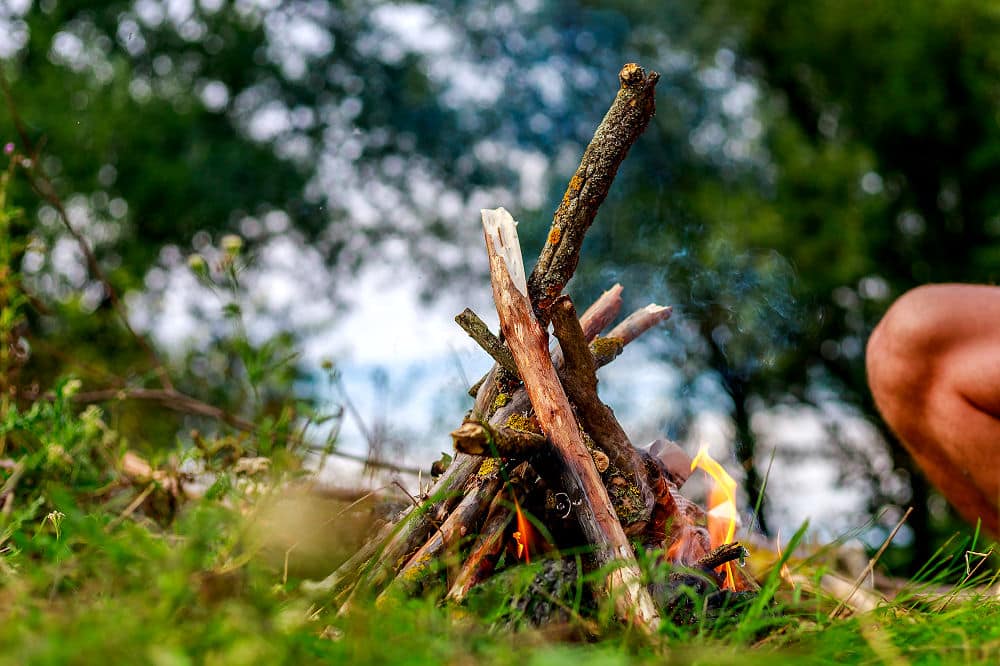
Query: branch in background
pixel 42 185
pixel 598 420
pixel 528 343
pixel 185 404
pixel 491 344
pixel 627 118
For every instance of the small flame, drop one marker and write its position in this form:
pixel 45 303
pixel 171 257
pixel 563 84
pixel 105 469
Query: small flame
pixel 524 535
pixel 721 506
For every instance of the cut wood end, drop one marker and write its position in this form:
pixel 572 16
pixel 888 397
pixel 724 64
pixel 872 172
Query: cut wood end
pixel 501 229
pixel 658 310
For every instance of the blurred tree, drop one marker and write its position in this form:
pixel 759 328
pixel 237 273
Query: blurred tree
pixel 878 147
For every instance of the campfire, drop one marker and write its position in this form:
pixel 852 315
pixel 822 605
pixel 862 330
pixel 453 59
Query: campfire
pixel 543 466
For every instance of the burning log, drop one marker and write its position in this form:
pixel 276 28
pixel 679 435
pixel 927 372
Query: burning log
pixel 484 552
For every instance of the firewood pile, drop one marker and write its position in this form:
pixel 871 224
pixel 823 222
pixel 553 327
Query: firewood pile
pixel 543 468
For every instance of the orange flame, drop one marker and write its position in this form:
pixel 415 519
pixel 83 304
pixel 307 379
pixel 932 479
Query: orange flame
pixel 721 506
pixel 524 535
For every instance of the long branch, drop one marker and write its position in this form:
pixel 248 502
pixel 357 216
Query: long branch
pixel 185 404
pixel 627 118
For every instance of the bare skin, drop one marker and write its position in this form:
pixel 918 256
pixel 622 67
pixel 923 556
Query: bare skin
pixel 934 370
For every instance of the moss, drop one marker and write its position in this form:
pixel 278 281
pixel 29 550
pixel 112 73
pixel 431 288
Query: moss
pixel 501 400
pixel 606 349
pixel 627 500
pixel 489 467
pixel 523 423
pixel 419 568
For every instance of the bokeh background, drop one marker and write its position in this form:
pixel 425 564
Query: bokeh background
pixel 809 162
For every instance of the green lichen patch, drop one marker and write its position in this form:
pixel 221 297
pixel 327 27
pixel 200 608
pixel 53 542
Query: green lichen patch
pixel 489 467
pixel 501 400
pixel 606 349
pixel 524 423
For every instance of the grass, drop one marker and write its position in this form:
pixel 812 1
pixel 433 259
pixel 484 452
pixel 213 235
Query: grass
pixel 203 585
pixel 89 574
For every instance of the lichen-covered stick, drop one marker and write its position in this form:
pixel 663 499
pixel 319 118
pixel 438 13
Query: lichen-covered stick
pixel 627 118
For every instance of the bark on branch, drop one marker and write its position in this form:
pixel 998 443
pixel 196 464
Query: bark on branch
pixel 491 344
pixel 580 381
pixel 627 118
pixel 480 439
pixel 528 343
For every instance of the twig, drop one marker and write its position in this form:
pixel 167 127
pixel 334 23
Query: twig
pixel 133 505
pixel 181 402
pixel 406 492
pixel 601 312
pixel 871 564
pixel 481 439
pixel 491 344
pixel 639 322
pixel 10 485
pixel 727 552
pixel 627 118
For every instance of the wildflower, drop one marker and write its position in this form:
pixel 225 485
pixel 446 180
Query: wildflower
pixel 8 148
pixel 232 244
pixel 197 264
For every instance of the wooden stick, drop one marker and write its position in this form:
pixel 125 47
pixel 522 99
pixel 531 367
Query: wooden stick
pixel 639 322
pixel 481 439
pixel 601 313
pixel 871 564
pixel 529 345
pixel 627 118
pixel 483 555
pixel 580 383
pixel 460 523
pixel 719 555
pixel 491 344
pixel 596 318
